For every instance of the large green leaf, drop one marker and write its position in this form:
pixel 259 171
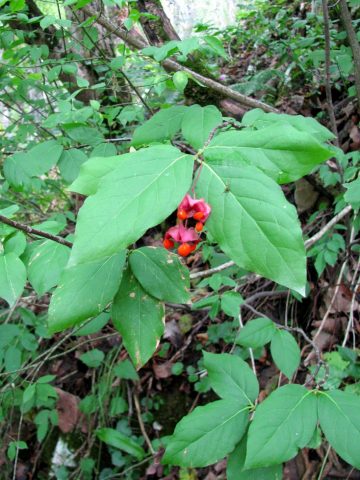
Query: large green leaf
pixel 161 126
pixel 280 151
pixel 129 200
pixel 92 172
pixel 12 277
pixel 198 122
pixel 256 333
pixel 121 441
pixel 285 352
pixel 139 318
pixel 339 415
pixel 70 163
pixel 253 223
pixel 84 291
pixel 46 264
pixel 235 467
pixel 207 434
pixel 282 424
pixel 231 377
pixel 260 119
pixel 161 274
pixel 20 168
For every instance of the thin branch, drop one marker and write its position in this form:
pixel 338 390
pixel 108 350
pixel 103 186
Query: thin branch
pixel 310 242
pixel 141 423
pixel 354 44
pixel 172 65
pixel 330 105
pixel 34 231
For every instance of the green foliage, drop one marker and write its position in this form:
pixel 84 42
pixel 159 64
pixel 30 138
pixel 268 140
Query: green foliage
pixel 161 274
pixel 267 240
pixel 231 377
pixel 74 126
pixel 139 318
pixel 293 413
pixel 12 277
pixel 118 440
pixel 84 291
pixel 196 438
pixel 285 352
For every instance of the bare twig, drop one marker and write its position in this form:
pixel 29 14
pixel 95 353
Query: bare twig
pixel 350 325
pixel 354 44
pixel 310 242
pixel 34 231
pixel 330 105
pixel 141 423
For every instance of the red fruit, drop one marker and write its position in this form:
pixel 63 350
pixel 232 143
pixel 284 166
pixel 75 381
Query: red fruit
pixel 182 215
pixel 192 247
pixel 184 250
pixel 198 215
pixel 168 243
pixel 199 226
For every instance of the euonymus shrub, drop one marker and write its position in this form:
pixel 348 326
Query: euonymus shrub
pixel 237 171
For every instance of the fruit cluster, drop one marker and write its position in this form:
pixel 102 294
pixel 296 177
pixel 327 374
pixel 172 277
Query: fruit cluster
pixel 190 212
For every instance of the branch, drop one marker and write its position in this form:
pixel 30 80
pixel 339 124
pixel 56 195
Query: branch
pixel 171 65
pixel 327 71
pixel 354 44
pixel 308 243
pixel 34 231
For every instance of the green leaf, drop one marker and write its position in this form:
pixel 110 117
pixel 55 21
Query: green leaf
pixel 12 359
pixel 215 45
pixel 352 194
pixel 12 277
pixel 93 171
pixel 339 416
pixel 253 223
pixel 82 82
pixel 47 21
pixel 139 318
pixel 260 119
pixel 15 243
pixel 84 291
pixel 70 163
pixel 231 377
pixel 131 199
pixel 280 151
pixel 161 274
pixel 20 168
pixel 16 5
pixel 94 325
pixel 207 434
pixel 116 439
pixel 282 424
pixel 85 135
pixel 41 421
pixel 180 80
pixel 125 370
pixel 235 467
pixel 198 122
pixel 230 303
pixel 161 126
pixel 256 333
pixel 285 352
pixel 46 264
pixel 93 358
pixel 104 150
